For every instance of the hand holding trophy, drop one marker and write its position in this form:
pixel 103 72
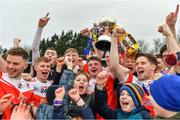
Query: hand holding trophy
pixel 101 33
pixel 106 25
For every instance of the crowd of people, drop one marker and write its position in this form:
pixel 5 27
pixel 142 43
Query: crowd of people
pixel 131 86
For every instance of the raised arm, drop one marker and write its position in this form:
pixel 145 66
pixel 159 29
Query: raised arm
pixel 86 112
pixel 170 38
pixel 16 42
pixel 68 75
pixel 171 42
pixel 59 112
pixel 37 38
pixel 2 64
pixel 171 20
pixel 100 92
pixel 86 32
pixel 116 67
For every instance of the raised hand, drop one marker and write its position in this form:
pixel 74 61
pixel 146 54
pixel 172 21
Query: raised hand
pixel 59 93
pixel 6 101
pixel 16 42
pixel 101 79
pixel 172 18
pixel 59 63
pixel 118 31
pixel 165 30
pixel 74 94
pixel 43 21
pixel 85 32
pixel 171 58
pixel 21 112
pixel 69 63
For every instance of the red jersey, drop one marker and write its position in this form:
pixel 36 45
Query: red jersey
pixel 17 88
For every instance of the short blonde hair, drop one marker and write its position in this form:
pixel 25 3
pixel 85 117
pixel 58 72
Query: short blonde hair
pixel 71 50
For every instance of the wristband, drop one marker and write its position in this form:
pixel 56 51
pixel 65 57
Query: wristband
pixel 77 100
pixel 58 102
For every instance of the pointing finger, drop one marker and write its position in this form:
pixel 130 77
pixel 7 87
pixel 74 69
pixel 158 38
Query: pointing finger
pixel 177 10
pixel 47 14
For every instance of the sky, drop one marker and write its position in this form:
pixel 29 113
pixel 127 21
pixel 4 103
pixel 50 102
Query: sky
pixel 141 18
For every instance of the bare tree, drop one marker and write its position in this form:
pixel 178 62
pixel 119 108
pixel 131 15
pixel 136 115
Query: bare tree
pixel 157 43
pixel 3 51
pixel 143 46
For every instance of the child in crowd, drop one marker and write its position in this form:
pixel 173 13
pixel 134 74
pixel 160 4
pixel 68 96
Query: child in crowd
pixel 40 83
pixel 80 83
pixel 130 100
pixel 68 80
pixel 59 112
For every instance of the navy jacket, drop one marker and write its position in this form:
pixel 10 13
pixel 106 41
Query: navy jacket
pixel 85 112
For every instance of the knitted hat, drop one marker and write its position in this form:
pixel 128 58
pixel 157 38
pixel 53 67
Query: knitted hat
pixel 166 92
pixel 135 91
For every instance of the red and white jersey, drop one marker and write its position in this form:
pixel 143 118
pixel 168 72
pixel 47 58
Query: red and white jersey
pixel 39 90
pixel 14 86
pixel 17 88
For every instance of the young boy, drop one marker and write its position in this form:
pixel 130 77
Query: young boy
pixel 130 100
pixel 40 83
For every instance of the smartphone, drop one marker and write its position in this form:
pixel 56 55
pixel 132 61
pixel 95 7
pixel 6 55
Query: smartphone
pixel 145 90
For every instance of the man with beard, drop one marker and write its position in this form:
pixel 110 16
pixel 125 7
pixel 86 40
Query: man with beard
pixel 12 81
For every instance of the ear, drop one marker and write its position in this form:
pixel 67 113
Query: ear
pixel 153 67
pixel 26 65
pixel 35 67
